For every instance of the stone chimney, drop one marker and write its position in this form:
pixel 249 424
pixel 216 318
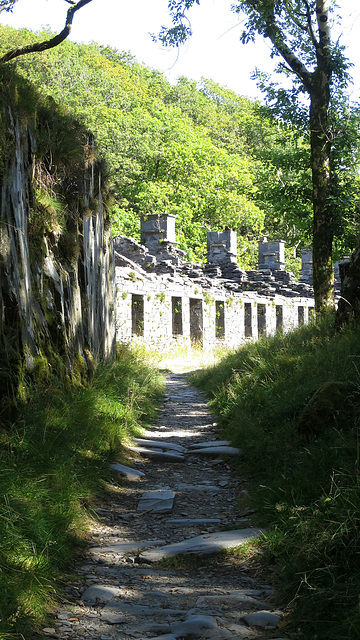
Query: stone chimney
pixel 157 229
pixel 306 264
pixel 271 254
pixel 221 247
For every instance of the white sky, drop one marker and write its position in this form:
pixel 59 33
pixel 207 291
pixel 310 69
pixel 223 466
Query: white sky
pixel 213 52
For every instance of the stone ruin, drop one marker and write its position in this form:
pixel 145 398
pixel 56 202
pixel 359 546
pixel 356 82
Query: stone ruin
pixel 164 300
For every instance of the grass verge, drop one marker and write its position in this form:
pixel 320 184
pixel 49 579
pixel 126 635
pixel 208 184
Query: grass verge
pixel 305 488
pixel 53 461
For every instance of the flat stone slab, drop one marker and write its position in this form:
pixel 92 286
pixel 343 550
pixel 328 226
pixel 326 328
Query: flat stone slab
pixel 262 619
pixel 99 593
pixel 167 636
pixel 197 487
pixel 193 625
pixel 240 598
pixel 157 454
pixel 131 474
pixel 113 612
pixel 211 443
pixel 202 545
pixel 157 501
pixel 127 547
pixel 190 521
pixel 159 444
pixel 216 450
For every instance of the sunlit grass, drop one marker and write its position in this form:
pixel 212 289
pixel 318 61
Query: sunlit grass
pixel 53 462
pixel 305 491
pixel 184 358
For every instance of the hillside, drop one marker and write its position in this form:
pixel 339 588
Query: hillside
pixel 209 156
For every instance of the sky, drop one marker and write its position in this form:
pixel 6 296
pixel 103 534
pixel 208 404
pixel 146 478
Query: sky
pixel 214 51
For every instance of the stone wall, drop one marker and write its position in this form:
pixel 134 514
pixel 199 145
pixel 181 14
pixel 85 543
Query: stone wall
pixel 164 301
pixel 52 300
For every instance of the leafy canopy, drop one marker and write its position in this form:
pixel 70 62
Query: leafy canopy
pixel 198 151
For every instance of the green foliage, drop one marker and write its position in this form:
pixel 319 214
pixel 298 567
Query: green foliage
pixel 53 460
pixel 306 491
pixel 200 152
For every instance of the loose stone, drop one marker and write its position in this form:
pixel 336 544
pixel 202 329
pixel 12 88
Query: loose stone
pixel 99 593
pixel 210 443
pixel 157 501
pixel 262 619
pixel 202 545
pixel 158 455
pixel 158 444
pixel 190 521
pixel 131 474
pixel 215 450
pixel 196 487
pixel 127 547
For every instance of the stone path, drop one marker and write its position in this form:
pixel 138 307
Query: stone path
pixel 178 499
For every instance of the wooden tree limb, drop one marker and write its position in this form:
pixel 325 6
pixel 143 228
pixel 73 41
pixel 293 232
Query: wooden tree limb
pixel 274 33
pixel 6 5
pixel 310 25
pixel 52 42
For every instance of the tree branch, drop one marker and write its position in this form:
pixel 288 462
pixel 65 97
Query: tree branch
pixel 7 5
pixel 53 42
pixel 309 22
pixel 273 32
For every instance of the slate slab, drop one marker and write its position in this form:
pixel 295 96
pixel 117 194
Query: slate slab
pixel 127 547
pixel 157 501
pixel 131 474
pixel 197 487
pixel 241 600
pixel 193 625
pixel 99 593
pixel 157 454
pixel 202 545
pixel 158 444
pixel 167 636
pixel 190 521
pixel 113 612
pixel 214 451
pixel 211 443
pixel 262 619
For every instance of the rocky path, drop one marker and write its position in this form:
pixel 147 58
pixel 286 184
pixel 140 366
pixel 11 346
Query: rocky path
pixel 178 501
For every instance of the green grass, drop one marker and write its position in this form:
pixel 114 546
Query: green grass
pixel 53 463
pixel 306 491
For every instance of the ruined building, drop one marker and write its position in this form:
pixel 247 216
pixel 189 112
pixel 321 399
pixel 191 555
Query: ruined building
pixel 165 300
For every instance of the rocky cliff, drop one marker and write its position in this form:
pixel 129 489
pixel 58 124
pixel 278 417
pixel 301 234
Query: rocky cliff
pixel 56 278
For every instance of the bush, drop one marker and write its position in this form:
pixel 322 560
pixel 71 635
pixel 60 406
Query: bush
pixel 305 490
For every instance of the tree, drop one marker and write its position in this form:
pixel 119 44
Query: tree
pixel 7 5
pixel 299 31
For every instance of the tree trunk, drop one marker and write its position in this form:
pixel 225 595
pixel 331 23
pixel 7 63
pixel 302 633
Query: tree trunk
pixel 323 276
